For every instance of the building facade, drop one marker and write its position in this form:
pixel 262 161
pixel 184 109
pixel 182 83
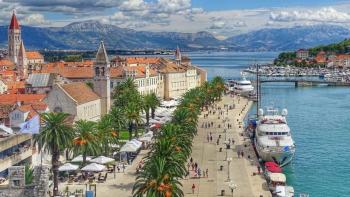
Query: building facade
pixel 76 99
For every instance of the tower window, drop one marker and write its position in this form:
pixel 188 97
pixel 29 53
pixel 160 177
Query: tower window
pixel 97 71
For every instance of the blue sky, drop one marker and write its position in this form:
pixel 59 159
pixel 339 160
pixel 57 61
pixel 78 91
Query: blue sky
pixel 222 18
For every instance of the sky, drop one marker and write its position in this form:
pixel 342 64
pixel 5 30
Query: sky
pixel 222 18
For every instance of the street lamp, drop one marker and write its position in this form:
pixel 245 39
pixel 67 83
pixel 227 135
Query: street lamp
pixel 226 143
pixel 228 167
pixel 232 186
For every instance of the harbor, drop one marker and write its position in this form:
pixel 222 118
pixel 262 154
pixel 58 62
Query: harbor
pixel 335 75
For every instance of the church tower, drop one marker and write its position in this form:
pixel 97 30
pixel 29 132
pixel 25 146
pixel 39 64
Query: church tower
pixel 102 84
pixel 14 39
pixel 22 63
pixel 178 57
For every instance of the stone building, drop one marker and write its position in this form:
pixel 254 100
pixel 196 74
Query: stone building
pixel 17 187
pixel 15 149
pixel 101 80
pixel 76 99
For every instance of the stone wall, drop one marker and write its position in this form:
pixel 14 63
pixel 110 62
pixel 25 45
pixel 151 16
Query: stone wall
pixel 39 188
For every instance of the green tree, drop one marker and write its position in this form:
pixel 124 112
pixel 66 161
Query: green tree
pixel 86 140
pixel 55 136
pixel 107 135
pixel 150 103
pixel 28 174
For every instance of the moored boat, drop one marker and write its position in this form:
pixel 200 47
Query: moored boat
pixel 273 140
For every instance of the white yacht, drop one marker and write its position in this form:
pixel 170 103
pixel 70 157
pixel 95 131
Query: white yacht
pixel 243 86
pixel 273 139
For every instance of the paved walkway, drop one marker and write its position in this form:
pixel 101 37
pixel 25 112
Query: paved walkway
pixel 121 185
pixel 207 155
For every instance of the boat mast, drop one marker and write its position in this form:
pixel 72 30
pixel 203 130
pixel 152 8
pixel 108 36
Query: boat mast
pixel 257 89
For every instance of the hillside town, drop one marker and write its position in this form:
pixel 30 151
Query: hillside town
pixel 84 90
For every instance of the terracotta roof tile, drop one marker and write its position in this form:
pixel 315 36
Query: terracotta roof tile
pixel 14 23
pixel 70 69
pixel 34 55
pixel 13 98
pixel 6 63
pixel 80 92
pixel 5 109
pixel 142 60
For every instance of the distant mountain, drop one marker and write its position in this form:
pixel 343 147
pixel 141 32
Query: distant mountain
pixel 86 36
pixel 289 38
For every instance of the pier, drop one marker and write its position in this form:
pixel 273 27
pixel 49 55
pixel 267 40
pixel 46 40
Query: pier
pixel 303 82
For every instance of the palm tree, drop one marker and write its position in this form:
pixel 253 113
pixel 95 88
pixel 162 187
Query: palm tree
pixel 107 135
pixel 154 103
pixel 85 141
pixel 150 102
pixel 147 106
pixel 56 135
pixel 157 180
pixel 133 117
pixel 117 119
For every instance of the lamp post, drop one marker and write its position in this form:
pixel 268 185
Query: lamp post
pixel 228 167
pixel 232 186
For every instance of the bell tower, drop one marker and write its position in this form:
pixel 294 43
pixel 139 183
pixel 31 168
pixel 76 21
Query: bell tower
pixel 22 63
pixel 178 57
pixel 14 39
pixel 102 83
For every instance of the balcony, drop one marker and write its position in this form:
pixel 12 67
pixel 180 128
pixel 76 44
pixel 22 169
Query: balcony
pixel 14 159
pixel 13 140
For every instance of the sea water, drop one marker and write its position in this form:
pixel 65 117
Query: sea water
pixel 319 118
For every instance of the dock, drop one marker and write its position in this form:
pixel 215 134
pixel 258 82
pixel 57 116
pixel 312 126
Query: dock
pixel 240 171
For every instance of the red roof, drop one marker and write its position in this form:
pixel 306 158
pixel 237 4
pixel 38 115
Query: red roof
pixel 14 23
pixel 27 98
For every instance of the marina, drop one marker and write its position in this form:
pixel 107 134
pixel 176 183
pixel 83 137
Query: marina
pixel 316 116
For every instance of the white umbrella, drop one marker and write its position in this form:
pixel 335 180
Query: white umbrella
pixel 94 167
pixel 128 147
pixel 145 139
pixel 148 134
pixel 68 167
pixel 80 158
pixel 136 142
pixel 102 160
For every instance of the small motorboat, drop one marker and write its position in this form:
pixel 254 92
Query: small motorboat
pixel 283 191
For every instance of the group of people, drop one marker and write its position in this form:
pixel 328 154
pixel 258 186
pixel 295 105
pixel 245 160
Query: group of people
pixel 197 171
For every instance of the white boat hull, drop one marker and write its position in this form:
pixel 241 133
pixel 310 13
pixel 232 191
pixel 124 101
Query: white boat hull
pixel 281 156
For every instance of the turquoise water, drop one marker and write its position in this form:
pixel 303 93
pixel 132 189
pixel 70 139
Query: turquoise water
pixel 319 118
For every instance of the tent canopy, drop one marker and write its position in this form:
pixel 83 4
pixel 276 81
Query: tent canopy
pixel 68 167
pixel 102 160
pixel 278 177
pixel 80 158
pixel 94 167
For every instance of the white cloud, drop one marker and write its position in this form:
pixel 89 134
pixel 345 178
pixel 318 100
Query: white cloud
pixel 35 20
pixel 327 14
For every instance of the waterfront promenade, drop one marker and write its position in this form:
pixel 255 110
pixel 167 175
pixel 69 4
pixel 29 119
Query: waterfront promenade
pixel 207 155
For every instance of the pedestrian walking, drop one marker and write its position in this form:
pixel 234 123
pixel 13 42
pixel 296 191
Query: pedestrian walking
pixel 208 137
pixel 191 160
pixel 123 167
pixel 242 154
pixel 211 138
pixel 193 188
pixel 259 169
pixel 206 172
pixel 238 154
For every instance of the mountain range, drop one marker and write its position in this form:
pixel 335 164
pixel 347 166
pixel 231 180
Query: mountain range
pixel 87 34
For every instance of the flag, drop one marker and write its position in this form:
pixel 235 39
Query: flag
pixel 31 126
